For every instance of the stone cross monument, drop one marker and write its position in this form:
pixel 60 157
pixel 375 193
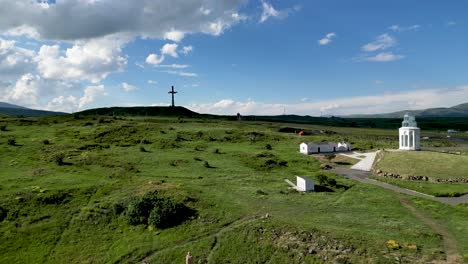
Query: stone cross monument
pixel 173 93
pixel 410 134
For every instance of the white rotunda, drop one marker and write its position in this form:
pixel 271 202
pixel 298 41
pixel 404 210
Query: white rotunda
pixel 410 134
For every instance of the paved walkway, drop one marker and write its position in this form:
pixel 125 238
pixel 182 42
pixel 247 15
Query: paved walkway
pixel 367 160
pixel 363 176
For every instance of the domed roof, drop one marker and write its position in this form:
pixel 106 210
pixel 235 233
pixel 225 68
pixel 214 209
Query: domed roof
pixel 409 120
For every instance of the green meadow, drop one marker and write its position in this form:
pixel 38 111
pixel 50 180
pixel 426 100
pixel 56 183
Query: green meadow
pixel 75 189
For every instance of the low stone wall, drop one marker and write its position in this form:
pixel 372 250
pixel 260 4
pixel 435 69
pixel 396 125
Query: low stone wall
pixel 418 178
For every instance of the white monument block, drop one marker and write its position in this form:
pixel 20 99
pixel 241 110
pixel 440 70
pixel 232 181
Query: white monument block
pixel 304 184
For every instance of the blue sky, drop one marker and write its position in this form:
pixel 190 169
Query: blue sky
pixel 224 57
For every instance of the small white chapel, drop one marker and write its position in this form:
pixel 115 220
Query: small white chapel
pixel 410 134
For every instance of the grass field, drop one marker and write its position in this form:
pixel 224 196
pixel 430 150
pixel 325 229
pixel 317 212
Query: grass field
pixel 434 165
pixel 434 189
pixel 67 185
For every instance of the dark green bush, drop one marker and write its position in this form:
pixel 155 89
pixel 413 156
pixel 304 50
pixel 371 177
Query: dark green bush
pixel 157 211
pixel 268 147
pixel 45 142
pixel 3 128
pixel 322 179
pixel 3 213
pixel 163 214
pixel 11 142
pixel 142 149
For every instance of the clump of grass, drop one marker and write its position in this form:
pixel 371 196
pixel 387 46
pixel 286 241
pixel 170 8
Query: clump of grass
pixel 142 149
pixel 268 147
pixel 144 141
pixel 216 151
pixel 3 127
pixel 46 142
pixel 207 165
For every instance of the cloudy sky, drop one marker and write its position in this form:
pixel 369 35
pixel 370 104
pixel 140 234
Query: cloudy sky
pixel 306 57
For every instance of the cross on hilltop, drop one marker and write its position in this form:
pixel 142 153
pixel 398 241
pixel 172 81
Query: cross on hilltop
pixel 173 93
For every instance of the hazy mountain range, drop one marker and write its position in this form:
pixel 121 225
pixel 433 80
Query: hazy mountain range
pixel 16 110
pixel 455 111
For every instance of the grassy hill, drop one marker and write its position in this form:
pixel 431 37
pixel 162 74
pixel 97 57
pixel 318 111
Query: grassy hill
pixel 80 189
pixel 141 111
pixel 455 111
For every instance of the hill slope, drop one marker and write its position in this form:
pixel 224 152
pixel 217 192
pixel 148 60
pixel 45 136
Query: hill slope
pixel 25 112
pixel 7 105
pixel 455 111
pixel 141 111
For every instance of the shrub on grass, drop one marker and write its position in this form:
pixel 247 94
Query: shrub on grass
pixel 58 158
pixel 156 211
pixel 207 165
pixel 45 142
pixel 142 149
pixel 3 128
pixel 268 147
pixel 322 179
pixel 11 142
pixel 216 151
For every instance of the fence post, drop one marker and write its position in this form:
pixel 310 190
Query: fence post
pixel 189 258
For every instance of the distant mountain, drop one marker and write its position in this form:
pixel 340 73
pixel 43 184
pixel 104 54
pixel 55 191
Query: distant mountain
pixel 455 111
pixel 7 105
pixel 16 110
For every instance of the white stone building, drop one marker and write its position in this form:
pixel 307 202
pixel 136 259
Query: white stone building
pixel 410 134
pixel 324 147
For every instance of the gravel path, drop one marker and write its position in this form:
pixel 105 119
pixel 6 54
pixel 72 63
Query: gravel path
pixel 363 176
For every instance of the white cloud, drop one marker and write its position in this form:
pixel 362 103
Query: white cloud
pixel 451 23
pixel 72 104
pixel 154 59
pixel 327 39
pixel 127 87
pixel 268 11
pixel 90 95
pixel 373 104
pixel 383 57
pixel 91 60
pixel 15 61
pixel 181 73
pixel 170 49
pixel 63 104
pixel 92 19
pixel 398 28
pixel 152 82
pixel 174 35
pixel 382 42
pixel 174 66
pixel 26 90
pixel 187 49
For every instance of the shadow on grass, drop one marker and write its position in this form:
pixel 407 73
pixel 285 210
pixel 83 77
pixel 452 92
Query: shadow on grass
pixel 321 188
